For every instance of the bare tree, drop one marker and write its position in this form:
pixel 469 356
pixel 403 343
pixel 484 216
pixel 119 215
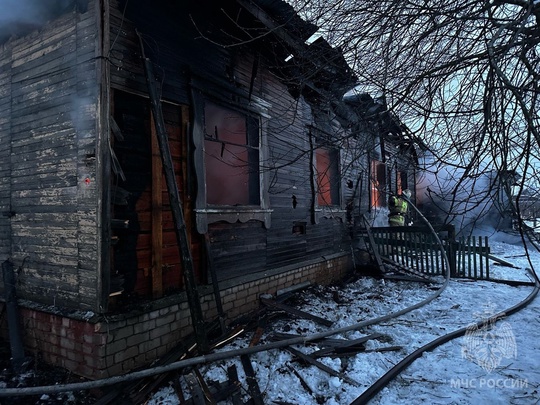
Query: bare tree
pixel 462 75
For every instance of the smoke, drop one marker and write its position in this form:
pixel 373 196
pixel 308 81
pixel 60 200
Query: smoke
pixel 19 17
pixel 473 203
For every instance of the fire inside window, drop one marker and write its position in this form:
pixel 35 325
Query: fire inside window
pixel 401 181
pixel 231 157
pixel 378 183
pixel 327 176
pixel 399 185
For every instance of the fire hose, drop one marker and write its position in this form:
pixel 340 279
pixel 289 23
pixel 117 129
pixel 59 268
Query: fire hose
pixel 51 389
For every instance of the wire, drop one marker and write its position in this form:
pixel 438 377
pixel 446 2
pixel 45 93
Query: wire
pixel 119 29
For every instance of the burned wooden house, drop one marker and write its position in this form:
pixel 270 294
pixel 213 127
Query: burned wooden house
pixel 166 162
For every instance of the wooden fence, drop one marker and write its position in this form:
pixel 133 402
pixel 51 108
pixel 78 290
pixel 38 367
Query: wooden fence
pixel 416 248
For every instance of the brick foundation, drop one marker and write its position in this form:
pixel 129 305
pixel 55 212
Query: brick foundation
pixel 98 348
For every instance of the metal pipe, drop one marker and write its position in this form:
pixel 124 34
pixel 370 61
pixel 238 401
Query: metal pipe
pixel 6 392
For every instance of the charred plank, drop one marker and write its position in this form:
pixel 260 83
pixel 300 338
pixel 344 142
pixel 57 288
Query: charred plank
pixel 253 385
pixel 197 395
pixel 296 312
pixel 310 360
pixel 346 346
pixel 234 381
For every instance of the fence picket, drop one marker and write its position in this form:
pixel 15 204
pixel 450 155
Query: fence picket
pixel 487 259
pixel 415 248
pixel 480 258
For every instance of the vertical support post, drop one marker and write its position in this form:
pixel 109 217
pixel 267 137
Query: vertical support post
pixel 157 217
pixel 470 256
pixel 103 161
pixel 481 258
pixel 463 257
pixel 423 253
pixel 487 258
pixel 176 206
pixel 451 253
pixel 432 253
pixel 437 255
pixel 474 251
pixel 15 337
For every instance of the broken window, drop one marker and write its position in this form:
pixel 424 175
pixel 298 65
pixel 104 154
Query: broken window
pixel 328 181
pixel 231 150
pixel 378 183
pixel 229 140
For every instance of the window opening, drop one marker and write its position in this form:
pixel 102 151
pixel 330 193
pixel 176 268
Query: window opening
pixel 231 147
pixel 327 164
pixel 378 183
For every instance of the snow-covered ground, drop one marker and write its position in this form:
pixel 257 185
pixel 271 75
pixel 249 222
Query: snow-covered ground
pixel 495 366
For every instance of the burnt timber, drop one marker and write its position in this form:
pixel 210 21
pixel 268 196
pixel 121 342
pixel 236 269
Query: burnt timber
pixel 84 211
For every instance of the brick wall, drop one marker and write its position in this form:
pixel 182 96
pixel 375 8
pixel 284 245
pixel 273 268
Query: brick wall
pixel 99 348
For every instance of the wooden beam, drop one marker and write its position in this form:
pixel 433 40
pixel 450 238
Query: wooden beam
pixel 232 374
pixel 345 346
pixel 176 207
pixel 297 312
pixel 186 170
pixel 251 377
pixel 103 161
pixel 374 247
pixel 197 394
pixel 499 260
pixel 209 397
pixel 310 360
pixel 295 43
pixel 157 217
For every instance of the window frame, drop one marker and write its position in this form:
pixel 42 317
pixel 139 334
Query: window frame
pixel 323 140
pixel 334 180
pixel 377 190
pixel 248 147
pixel 210 213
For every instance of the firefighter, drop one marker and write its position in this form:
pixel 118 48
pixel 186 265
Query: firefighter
pixel 398 207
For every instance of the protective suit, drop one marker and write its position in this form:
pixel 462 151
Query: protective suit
pixel 398 207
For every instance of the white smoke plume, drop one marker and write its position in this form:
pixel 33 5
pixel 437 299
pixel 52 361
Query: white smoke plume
pixel 473 204
pixel 18 17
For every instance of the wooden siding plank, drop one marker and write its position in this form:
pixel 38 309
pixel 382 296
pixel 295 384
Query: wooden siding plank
pixel 54 232
pixel 40 40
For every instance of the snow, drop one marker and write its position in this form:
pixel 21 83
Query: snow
pixel 458 372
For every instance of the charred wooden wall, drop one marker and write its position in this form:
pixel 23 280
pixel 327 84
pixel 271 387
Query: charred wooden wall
pixel 5 151
pixel 174 39
pixel 48 98
pixel 49 188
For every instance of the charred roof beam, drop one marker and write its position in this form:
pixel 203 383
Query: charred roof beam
pixel 342 76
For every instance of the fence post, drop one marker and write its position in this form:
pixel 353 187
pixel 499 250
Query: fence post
pixel 451 249
pixel 487 258
pixel 481 257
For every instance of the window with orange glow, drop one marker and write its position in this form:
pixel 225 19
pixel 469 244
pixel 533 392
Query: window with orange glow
pixel 231 149
pixel 327 164
pixel 378 183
